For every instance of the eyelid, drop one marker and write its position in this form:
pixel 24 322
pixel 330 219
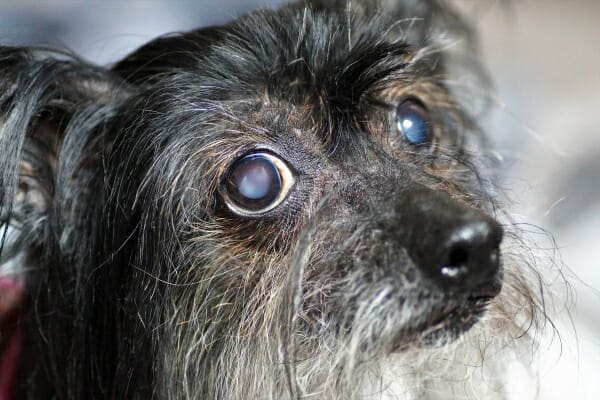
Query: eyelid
pixel 383 105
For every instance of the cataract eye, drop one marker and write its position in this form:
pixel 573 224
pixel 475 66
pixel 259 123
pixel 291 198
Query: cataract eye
pixel 257 183
pixel 414 122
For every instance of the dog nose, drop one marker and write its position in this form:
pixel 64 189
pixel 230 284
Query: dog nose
pixel 456 246
pixel 469 257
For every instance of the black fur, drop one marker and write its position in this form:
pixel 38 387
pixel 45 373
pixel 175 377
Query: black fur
pixel 110 176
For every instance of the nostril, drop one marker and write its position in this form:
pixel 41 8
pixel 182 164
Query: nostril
pixel 472 254
pixel 458 256
pixel 456 264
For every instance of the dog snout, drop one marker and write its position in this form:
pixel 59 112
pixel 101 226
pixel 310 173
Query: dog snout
pixel 469 257
pixel 456 246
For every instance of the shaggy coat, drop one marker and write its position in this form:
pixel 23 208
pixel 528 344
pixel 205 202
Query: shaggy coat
pixel 144 282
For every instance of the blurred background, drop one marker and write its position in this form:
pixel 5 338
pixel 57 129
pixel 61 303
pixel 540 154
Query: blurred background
pixel 544 56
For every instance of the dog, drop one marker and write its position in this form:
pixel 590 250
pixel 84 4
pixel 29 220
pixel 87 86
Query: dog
pixel 294 205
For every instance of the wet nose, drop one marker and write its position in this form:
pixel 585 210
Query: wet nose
pixel 469 254
pixel 455 246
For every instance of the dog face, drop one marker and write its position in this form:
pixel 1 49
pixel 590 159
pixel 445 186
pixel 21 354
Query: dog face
pixel 293 191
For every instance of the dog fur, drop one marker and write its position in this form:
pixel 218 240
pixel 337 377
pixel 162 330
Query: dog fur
pixel 141 283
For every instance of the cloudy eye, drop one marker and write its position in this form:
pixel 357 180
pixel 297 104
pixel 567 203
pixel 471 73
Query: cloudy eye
pixel 414 122
pixel 257 183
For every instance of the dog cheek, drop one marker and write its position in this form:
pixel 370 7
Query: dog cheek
pixel 370 290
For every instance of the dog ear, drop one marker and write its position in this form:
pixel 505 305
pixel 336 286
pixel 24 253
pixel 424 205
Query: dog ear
pixel 50 105
pixel 167 54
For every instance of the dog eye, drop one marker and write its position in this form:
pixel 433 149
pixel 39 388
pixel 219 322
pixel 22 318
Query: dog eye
pixel 257 183
pixel 414 122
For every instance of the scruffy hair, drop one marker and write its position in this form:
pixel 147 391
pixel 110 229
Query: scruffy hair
pixel 141 281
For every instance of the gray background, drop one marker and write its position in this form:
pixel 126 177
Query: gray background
pixel 545 59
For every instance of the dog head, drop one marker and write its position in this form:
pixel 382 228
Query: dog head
pixel 293 194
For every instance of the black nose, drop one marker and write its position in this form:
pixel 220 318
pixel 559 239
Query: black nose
pixel 454 245
pixel 469 254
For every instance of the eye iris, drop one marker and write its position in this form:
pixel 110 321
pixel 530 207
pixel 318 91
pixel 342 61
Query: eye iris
pixel 414 123
pixel 254 182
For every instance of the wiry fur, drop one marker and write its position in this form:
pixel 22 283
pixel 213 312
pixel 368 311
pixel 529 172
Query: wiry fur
pixel 141 284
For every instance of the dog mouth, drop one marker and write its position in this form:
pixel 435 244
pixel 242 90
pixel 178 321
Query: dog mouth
pixel 454 321
pixel 448 323
pixel 460 313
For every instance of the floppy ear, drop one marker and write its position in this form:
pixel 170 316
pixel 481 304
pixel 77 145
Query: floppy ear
pixel 168 54
pixel 50 106
pixel 54 124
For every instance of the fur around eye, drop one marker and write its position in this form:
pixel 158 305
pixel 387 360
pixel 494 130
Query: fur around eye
pixel 257 183
pixel 414 122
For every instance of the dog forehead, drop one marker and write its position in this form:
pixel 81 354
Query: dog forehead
pixel 296 53
pixel 309 68
pixel 295 73
pixel 324 61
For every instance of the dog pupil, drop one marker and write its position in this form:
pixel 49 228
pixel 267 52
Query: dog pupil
pixel 254 182
pixel 413 122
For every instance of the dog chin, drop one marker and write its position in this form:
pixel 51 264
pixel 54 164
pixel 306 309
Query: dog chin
pixel 450 326
pixel 444 326
pixel 458 317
